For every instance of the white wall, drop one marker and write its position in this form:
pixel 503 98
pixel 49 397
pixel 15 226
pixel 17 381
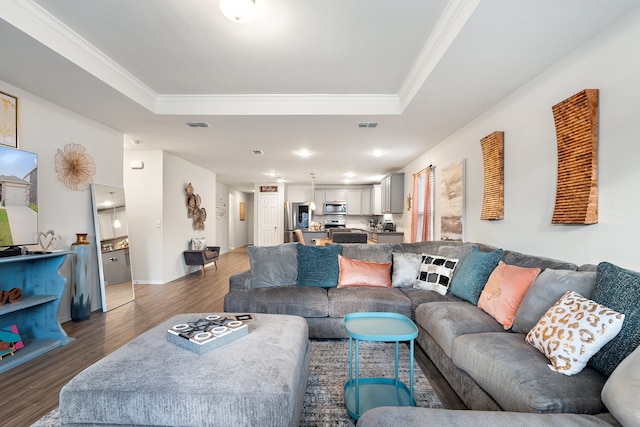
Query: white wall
pixel 608 63
pixel 157 196
pixel 44 128
pixel 144 195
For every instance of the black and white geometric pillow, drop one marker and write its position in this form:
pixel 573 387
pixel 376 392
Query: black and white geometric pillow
pixel 435 273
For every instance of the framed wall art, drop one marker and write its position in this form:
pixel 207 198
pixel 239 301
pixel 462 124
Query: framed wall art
pixel 8 120
pixel 243 211
pixel 452 200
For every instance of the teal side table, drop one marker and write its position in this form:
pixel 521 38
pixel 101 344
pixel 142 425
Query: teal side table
pixel 362 394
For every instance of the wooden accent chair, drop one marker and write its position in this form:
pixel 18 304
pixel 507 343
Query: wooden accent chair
pixel 299 235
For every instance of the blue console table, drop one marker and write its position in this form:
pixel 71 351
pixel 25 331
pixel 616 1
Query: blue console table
pixel 36 314
pixel 362 394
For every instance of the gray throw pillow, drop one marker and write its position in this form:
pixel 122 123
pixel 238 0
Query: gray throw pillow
pixel 620 392
pixel 405 269
pixel 547 288
pixel 273 266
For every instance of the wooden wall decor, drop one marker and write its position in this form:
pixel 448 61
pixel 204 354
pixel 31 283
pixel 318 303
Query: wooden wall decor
pixel 194 211
pixel 493 158
pixel 576 121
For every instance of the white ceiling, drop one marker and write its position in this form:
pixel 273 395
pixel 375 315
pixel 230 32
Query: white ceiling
pixel 302 74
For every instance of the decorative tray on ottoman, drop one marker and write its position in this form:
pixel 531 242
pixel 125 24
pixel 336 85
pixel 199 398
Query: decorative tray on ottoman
pixel 208 333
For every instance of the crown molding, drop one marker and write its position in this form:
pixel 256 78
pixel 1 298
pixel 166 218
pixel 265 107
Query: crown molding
pixel 278 104
pixel 452 20
pixel 33 20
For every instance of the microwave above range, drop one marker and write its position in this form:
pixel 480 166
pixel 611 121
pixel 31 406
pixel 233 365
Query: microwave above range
pixel 332 208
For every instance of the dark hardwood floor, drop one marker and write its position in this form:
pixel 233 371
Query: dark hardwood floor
pixel 31 390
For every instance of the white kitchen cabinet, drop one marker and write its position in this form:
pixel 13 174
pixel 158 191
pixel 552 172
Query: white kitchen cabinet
pixel 354 202
pixel 365 202
pixel 392 190
pixel 106 220
pixel 319 198
pixel 335 195
pixel 376 199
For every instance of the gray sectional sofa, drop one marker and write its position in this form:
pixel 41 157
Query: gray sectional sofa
pixel 490 368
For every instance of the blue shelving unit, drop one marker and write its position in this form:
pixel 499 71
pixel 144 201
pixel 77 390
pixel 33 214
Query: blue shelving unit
pixel 362 394
pixel 36 314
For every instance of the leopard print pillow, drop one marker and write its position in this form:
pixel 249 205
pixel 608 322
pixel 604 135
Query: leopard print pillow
pixel 573 330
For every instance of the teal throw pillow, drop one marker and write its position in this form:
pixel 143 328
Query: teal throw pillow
pixel 618 289
pixel 318 265
pixel 473 274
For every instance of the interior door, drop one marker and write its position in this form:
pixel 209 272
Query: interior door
pixel 268 219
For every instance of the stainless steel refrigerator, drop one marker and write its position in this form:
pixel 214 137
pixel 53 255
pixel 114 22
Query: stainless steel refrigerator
pixel 296 215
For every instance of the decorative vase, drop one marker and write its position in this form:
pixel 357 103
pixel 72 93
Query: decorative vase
pixel 81 279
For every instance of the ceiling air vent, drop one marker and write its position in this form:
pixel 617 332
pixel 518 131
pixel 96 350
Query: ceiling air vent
pixel 198 124
pixel 257 152
pixel 368 124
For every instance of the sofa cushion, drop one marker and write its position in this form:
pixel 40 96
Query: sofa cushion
pixel 573 330
pixel 504 291
pixel 364 252
pixel 532 261
pixel 618 289
pixel 365 298
pixel 305 301
pixel 318 265
pixel 474 273
pixel 419 416
pixel 621 391
pixel 435 273
pixel 516 375
pixel 273 265
pixel 363 273
pixel 406 267
pixel 420 296
pixel 546 290
pixel 445 321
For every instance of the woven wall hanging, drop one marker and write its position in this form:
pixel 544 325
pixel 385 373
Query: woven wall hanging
pixel 493 158
pixel 194 211
pixel 576 121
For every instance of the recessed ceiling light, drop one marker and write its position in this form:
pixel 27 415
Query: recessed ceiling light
pixel 347 181
pixel 350 174
pixel 135 141
pixel 303 152
pixel 257 152
pixel 198 124
pixel 377 153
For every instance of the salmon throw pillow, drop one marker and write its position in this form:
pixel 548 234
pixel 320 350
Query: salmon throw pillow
pixel 505 290
pixel 363 273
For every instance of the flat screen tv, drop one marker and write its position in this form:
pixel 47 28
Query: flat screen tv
pixel 18 197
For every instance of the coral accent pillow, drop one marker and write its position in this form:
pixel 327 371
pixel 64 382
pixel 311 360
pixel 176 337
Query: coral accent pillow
pixel 363 273
pixel 505 290
pixel 573 330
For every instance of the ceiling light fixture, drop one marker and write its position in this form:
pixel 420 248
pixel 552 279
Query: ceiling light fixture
pixel 116 221
pixel 239 11
pixel 377 153
pixel 303 153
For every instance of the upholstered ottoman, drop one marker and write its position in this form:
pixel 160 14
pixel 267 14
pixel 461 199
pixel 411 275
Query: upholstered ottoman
pixel 258 379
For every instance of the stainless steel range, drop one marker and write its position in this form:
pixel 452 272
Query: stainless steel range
pixel 335 221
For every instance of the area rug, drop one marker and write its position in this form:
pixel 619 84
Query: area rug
pixel 328 371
